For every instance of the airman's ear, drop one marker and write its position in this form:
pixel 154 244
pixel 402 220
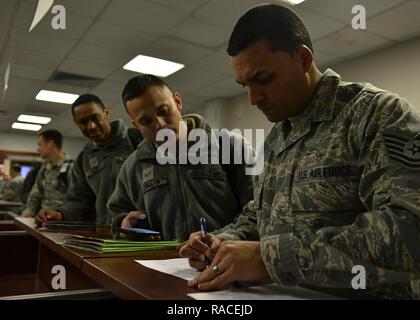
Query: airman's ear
pixel 305 57
pixel 106 111
pixel 178 100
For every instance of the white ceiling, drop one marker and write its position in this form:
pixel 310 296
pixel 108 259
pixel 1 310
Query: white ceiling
pixel 103 35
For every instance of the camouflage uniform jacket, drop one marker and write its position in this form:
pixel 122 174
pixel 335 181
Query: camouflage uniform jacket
pixel 50 188
pixel 95 172
pixel 341 189
pixel 12 189
pixel 175 196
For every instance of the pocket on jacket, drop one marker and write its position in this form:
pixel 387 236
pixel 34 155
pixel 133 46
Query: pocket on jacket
pixel 154 183
pixel 90 171
pixel 207 173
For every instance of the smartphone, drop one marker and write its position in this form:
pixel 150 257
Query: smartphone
pixel 135 233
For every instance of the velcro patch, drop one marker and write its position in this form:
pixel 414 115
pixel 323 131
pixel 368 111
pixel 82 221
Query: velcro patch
pixel 403 150
pixel 148 174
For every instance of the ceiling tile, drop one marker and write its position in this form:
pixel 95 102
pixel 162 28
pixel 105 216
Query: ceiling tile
pixel 35 59
pixel 23 16
pixel 177 51
pixel 408 25
pixel 103 56
pixel 30 72
pixel 86 68
pixel 115 37
pixel 225 12
pixel 112 87
pixel 123 75
pixel 24 87
pixel 39 109
pixel 318 26
pixel 184 87
pixel 54 86
pixel 218 61
pixel 193 32
pixel 184 5
pixel 201 32
pixel 341 10
pixel 76 25
pixel 2 35
pixel 6 10
pixel 14 108
pixel 197 76
pixel 350 43
pixel 51 44
pixel 89 8
pixel 47 107
pixel 143 15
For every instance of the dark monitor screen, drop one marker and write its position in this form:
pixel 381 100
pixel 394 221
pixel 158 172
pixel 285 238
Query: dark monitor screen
pixel 24 170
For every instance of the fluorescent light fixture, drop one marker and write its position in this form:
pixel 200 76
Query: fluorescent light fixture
pixel 155 66
pixel 26 126
pixel 294 2
pixel 34 119
pixel 54 96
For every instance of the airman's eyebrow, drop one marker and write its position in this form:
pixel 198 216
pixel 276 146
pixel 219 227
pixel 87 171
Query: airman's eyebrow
pixel 254 76
pixel 142 118
pixel 88 117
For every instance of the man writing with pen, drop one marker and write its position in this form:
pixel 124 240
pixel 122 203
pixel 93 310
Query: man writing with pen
pixel 171 198
pixel 341 180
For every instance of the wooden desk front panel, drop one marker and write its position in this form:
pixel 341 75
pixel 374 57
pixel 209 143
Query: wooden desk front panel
pixel 75 279
pixel 18 253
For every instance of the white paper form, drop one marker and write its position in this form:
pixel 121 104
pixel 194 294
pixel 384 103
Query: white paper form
pixel 265 292
pixel 180 268
pixel 176 267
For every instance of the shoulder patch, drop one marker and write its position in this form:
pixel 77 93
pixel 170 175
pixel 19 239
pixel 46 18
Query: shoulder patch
pixel 403 150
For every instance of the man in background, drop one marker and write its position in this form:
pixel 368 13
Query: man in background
pixel 2 177
pixel 96 167
pixel 13 188
pixel 52 181
pixel 172 198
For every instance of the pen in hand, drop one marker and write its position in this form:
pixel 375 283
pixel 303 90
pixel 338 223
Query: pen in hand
pixel 205 238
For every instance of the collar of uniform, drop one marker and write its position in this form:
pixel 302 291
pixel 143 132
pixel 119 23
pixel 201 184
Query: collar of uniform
pixel 321 105
pixel 276 138
pixel 118 132
pixel 59 163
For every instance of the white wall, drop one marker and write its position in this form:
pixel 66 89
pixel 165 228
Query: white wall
pixel 27 143
pixel 234 113
pixel 396 69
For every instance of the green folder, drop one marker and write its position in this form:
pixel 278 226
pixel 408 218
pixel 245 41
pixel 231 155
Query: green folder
pixel 99 245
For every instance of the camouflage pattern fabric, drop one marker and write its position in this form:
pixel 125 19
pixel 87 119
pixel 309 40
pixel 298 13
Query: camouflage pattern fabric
pixel 94 174
pixel 341 187
pixel 12 190
pixel 50 188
